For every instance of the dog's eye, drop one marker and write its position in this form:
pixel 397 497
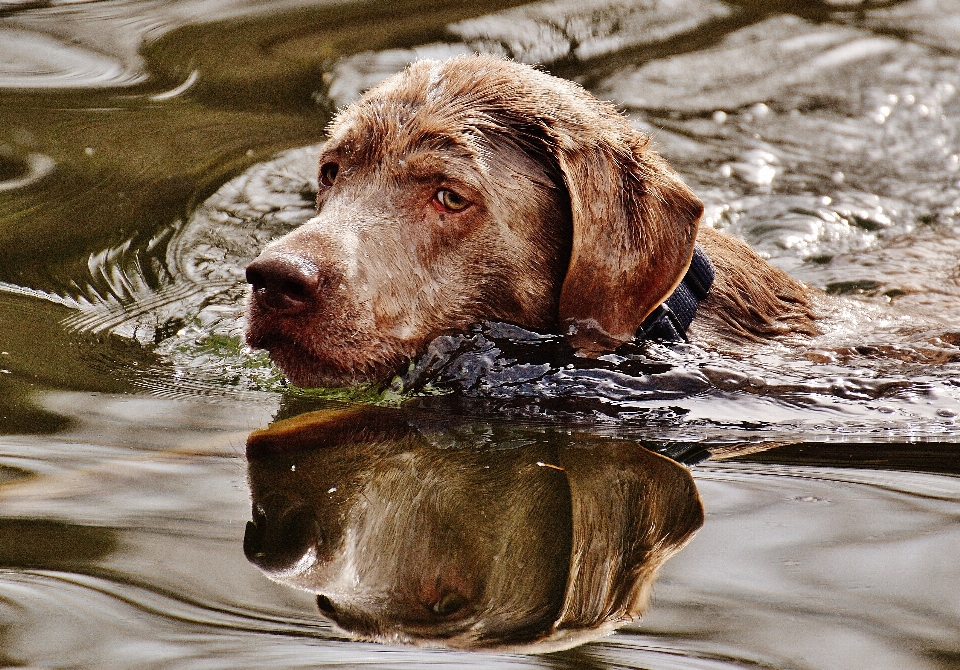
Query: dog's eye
pixel 449 603
pixel 453 202
pixel 328 173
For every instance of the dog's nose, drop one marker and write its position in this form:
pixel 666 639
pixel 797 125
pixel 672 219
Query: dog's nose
pixel 277 540
pixel 283 282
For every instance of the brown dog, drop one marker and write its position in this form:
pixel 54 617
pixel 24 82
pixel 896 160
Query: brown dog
pixel 481 189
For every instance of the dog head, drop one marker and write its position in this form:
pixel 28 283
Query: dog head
pixel 468 190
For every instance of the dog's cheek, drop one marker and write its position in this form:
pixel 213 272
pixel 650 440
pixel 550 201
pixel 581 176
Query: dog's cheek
pixel 449 233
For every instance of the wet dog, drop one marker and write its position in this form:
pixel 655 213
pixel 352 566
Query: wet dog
pixel 481 189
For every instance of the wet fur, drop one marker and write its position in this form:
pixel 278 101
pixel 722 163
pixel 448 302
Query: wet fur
pixel 750 300
pixel 576 225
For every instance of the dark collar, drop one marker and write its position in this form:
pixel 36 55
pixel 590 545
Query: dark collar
pixel 670 320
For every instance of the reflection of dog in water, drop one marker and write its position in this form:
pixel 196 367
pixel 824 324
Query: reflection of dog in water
pixel 407 538
pixel 481 189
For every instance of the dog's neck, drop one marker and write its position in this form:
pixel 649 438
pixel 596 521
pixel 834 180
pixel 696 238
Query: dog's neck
pixel 671 319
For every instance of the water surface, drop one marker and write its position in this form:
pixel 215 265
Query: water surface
pixel 148 151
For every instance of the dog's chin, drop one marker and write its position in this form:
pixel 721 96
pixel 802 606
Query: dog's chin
pixel 311 376
pixel 307 368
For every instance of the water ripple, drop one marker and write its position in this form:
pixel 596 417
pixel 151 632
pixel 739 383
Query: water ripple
pixel 18 172
pixel 783 58
pixel 37 60
pixel 545 32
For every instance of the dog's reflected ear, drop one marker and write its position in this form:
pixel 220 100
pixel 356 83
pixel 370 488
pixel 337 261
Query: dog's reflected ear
pixel 632 510
pixel 634 224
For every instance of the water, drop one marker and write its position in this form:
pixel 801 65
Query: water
pixel 148 150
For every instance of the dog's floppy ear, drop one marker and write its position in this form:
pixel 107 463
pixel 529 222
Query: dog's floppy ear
pixel 632 510
pixel 634 225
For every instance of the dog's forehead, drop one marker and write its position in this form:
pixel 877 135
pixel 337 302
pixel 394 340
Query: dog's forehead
pixel 430 105
pixel 388 128
pixel 477 120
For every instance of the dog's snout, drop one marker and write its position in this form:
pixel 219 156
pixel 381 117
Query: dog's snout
pixel 284 283
pixel 277 540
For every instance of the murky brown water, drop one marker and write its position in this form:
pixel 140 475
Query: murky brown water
pixel 149 149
